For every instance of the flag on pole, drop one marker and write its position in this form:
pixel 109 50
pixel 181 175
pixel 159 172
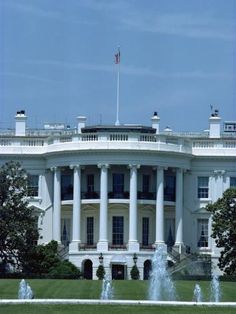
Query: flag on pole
pixel 117 57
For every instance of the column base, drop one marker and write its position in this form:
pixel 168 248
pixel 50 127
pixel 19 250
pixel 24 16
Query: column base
pixel 102 246
pixel 133 246
pixel 179 247
pixel 160 244
pixel 74 246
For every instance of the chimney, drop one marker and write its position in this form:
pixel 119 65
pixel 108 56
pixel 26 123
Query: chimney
pixel 214 122
pixel 20 127
pixel 155 122
pixel 81 122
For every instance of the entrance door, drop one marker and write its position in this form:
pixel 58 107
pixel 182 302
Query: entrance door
pixel 118 272
pixel 147 269
pixel 88 269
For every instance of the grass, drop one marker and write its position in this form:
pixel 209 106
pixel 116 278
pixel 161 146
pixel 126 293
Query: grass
pixel 126 290
pixel 123 290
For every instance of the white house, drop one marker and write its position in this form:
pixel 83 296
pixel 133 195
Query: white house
pixel 110 194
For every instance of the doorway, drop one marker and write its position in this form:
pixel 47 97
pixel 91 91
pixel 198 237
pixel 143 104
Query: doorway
pixel 118 272
pixel 88 269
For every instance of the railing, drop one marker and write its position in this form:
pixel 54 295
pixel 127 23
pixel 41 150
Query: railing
pixel 146 195
pixel 119 137
pixel 87 247
pixel 149 247
pixel 117 247
pixel 160 142
pixel 114 195
pixel 90 195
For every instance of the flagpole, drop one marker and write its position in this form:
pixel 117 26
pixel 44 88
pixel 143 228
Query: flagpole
pixel 118 87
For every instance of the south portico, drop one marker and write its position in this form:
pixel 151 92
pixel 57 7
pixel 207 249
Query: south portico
pixel 104 203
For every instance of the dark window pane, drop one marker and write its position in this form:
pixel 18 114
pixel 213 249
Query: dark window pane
pixel 117 230
pixel 169 188
pixel 90 228
pixel 145 231
pixel 66 187
pixel 33 185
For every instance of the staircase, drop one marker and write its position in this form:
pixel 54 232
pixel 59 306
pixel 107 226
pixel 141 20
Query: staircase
pixel 191 265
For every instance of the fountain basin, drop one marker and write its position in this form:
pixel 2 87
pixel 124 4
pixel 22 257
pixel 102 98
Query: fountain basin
pixel 116 302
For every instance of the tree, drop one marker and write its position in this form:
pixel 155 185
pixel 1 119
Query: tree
pixel 18 231
pixel 224 229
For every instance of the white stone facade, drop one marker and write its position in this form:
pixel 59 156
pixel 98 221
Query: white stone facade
pixel 107 193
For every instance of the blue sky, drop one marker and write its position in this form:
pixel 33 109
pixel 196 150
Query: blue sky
pixel 178 57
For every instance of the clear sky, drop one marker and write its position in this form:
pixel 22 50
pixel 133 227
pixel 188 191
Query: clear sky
pixel 178 57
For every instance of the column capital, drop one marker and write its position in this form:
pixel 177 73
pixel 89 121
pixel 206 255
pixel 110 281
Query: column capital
pixel 219 173
pixel 77 166
pixel 132 166
pixel 160 168
pixel 54 168
pixel 103 166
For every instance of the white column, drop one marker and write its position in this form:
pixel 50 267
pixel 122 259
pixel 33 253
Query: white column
pixel 102 245
pixel 76 234
pixel 133 244
pixel 160 207
pixel 56 204
pixel 179 210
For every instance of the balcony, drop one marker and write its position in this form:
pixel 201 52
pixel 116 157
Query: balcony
pixel 146 195
pixel 120 195
pixel 90 195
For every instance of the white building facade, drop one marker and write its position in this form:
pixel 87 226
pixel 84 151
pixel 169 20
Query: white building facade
pixel 111 194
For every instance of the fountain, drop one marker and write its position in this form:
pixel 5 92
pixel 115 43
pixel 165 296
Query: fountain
pixel 161 285
pixel 197 293
pixel 25 291
pixel 107 289
pixel 215 289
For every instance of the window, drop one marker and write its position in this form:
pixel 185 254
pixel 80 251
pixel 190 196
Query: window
pixel 117 230
pixel 202 233
pixel 90 183
pixel 66 187
pixel 146 183
pixel 203 187
pixel 233 182
pixel 90 230
pixel 169 188
pixel 118 184
pixel 33 185
pixel 65 231
pixel 145 231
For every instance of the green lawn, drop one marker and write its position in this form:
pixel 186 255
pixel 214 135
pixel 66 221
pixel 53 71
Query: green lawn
pixel 126 290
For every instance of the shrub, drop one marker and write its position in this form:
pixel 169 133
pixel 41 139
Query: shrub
pixel 65 270
pixel 134 273
pixel 100 273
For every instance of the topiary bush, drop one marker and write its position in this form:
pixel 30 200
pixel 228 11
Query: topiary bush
pixel 134 273
pixel 100 273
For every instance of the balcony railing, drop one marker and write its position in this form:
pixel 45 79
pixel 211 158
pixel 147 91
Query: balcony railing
pixel 90 195
pixel 146 195
pixel 68 195
pixel 114 195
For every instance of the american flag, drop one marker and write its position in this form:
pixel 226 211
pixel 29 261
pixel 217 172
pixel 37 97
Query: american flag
pixel 117 57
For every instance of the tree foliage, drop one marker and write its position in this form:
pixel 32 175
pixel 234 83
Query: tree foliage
pixel 18 231
pixel 224 229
